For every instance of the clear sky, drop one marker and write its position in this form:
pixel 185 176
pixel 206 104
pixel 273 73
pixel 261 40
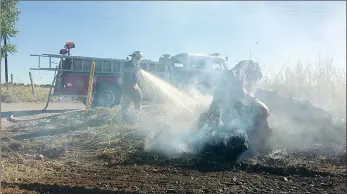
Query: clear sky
pixel 275 32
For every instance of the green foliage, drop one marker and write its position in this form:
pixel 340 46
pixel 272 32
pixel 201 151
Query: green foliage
pixel 9 16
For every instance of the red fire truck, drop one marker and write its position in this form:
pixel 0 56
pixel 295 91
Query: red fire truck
pixel 72 74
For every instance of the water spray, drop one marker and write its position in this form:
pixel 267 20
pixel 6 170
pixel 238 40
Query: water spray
pixel 168 90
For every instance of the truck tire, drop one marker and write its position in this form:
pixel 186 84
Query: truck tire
pixel 106 95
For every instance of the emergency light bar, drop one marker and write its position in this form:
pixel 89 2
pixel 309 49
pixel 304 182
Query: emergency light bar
pixel 215 54
pixel 166 55
pixel 218 55
pixel 64 51
pixel 70 45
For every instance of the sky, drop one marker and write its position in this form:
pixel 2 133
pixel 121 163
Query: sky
pixel 272 33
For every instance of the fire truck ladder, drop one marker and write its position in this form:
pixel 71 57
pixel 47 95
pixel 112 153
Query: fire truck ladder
pixel 50 89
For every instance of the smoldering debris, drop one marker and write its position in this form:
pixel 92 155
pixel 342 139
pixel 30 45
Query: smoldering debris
pixel 297 125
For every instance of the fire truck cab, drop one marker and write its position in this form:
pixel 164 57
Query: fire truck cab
pixel 199 70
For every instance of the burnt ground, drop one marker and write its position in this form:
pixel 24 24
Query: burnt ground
pixel 93 153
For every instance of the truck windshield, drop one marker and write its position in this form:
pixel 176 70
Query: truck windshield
pixel 207 63
pixel 219 65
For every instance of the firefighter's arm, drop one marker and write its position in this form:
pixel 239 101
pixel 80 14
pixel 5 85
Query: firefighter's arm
pixel 262 110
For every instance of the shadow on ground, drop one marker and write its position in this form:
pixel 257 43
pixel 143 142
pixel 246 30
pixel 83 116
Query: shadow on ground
pixel 58 189
pixel 214 163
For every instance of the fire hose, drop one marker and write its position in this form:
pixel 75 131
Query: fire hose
pixel 11 117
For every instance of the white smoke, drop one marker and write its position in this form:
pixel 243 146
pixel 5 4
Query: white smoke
pixel 284 36
pixel 173 127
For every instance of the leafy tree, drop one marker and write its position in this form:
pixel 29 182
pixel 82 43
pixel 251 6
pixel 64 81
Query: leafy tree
pixel 9 16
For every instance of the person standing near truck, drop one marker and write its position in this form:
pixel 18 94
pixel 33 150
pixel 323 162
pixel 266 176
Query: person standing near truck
pixel 131 90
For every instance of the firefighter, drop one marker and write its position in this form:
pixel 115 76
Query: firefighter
pixel 238 93
pixel 250 72
pixel 229 98
pixel 131 90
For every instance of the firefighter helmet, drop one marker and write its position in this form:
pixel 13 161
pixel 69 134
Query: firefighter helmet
pixel 137 55
pixel 249 70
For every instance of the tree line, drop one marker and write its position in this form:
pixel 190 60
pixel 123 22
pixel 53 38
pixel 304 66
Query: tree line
pixel 9 16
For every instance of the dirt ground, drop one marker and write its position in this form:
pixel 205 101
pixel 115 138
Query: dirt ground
pixel 64 155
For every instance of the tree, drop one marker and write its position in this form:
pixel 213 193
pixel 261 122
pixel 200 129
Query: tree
pixel 9 17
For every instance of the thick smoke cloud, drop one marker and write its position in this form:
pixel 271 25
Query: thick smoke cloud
pixel 297 125
pixel 282 31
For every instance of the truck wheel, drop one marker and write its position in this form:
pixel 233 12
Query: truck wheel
pixel 106 95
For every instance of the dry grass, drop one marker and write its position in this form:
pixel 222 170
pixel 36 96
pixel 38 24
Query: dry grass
pixel 22 93
pixel 321 83
pixel 94 129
